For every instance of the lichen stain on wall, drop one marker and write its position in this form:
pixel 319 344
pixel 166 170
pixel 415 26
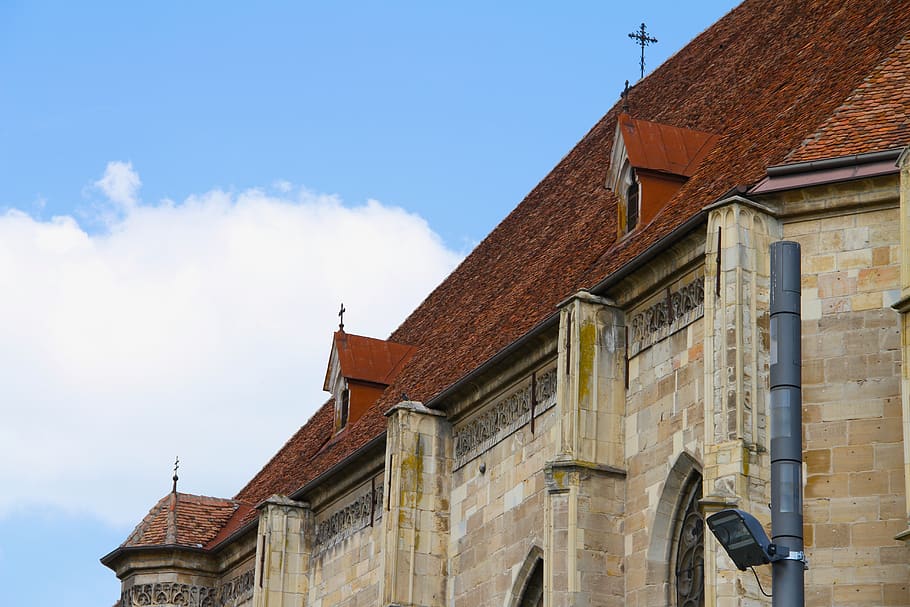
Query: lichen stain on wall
pixel 411 484
pixel 587 340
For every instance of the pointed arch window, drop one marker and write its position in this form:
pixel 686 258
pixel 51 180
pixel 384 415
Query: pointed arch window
pixel 533 590
pixel 528 589
pixel 689 554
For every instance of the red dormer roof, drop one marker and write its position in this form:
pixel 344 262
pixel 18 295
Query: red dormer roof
pixel 664 148
pixel 367 359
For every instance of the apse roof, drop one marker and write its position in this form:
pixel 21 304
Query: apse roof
pixel 182 519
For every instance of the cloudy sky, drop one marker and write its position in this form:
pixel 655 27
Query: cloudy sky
pixel 188 191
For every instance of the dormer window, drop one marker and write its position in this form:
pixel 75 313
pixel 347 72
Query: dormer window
pixel 343 408
pixel 359 371
pixel 649 163
pixel 631 198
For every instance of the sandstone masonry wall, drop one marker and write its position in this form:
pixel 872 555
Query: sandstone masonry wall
pixel 854 493
pixel 664 420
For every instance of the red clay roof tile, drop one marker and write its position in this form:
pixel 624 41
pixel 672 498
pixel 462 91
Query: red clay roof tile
pixel 183 519
pixel 771 77
pixel 759 79
pixel 876 115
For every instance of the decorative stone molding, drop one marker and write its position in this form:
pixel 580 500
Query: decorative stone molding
pixel 237 590
pixel 505 417
pixel 363 512
pixel 677 310
pixel 168 594
pixel 560 474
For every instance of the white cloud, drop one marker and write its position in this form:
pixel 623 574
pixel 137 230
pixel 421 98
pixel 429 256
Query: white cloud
pixel 200 329
pixel 120 184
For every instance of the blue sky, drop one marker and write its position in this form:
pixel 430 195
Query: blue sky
pixel 189 190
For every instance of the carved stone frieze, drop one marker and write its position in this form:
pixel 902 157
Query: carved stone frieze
pixel 363 512
pixel 504 417
pixel 237 590
pixel 168 594
pixel 677 310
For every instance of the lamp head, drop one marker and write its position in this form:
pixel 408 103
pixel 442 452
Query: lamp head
pixel 742 536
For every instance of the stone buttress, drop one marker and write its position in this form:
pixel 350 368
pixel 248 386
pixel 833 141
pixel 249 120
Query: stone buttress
pixel 283 553
pixel 737 365
pixel 416 523
pixel 903 307
pixel 585 493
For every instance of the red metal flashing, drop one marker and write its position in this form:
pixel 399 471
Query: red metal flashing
pixel 664 148
pixel 368 359
pixel 803 179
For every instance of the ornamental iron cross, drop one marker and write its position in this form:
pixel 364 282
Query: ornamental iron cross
pixel 643 40
pixel 341 318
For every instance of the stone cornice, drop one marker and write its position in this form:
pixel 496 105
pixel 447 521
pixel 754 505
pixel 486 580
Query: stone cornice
pixel 742 200
pixel 126 560
pixel 561 474
pixel 902 305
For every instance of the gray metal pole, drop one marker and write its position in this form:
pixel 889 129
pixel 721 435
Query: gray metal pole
pixel 787 574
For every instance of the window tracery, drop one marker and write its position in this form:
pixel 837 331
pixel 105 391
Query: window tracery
pixel 689 569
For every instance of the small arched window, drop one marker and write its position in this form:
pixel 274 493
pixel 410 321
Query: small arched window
pixel 631 195
pixel 345 406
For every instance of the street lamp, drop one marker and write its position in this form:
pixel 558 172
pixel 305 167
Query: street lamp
pixel 743 537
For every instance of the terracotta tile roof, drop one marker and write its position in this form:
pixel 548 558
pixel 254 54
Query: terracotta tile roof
pixel 766 79
pixel 876 115
pixel 760 78
pixel 184 520
pixel 245 513
pixel 368 359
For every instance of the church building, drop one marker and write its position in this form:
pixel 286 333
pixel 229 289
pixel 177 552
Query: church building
pixel 553 424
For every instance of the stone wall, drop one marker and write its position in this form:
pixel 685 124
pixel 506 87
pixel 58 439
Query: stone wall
pixel 854 491
pixel 664 422
pixel 497 515
pixel 347 574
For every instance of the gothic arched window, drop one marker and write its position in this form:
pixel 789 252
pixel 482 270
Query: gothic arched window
pixel 528 589
pixel 689 561
pixel 533 590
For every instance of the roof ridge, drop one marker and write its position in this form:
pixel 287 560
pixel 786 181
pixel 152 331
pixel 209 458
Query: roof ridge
pixel 207 497
pixel 140 529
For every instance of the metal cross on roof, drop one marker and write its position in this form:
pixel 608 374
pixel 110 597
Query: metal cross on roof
pixel 643 40
pixel 341 317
